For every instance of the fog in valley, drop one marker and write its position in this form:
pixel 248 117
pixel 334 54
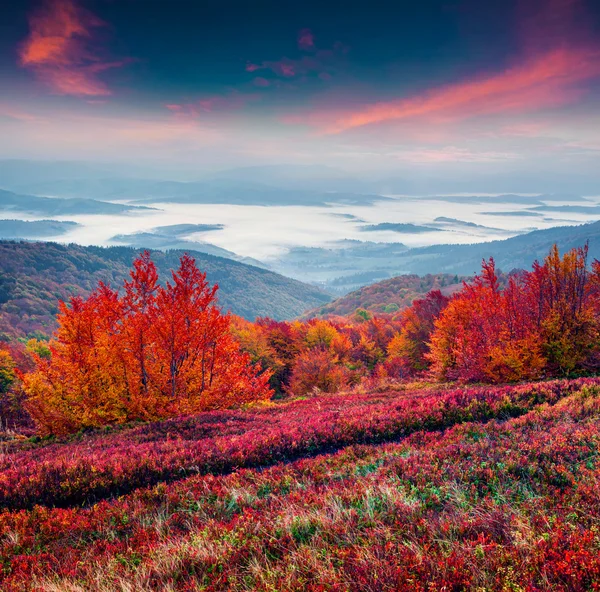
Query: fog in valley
pixel 307 223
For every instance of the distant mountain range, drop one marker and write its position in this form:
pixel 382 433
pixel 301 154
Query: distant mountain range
pixel 47 206
pixel 455 263
pixel 104 181
pixel 348 264
pixel 215 191
pixel 27 176
pixel 34 276
pixel 38 189
pixel 514 253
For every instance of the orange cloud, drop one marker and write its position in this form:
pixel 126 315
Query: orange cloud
pixel 549 80
pixel 59 50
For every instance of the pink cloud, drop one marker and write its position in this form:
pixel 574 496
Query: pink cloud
pixel 306 40
pixel 323 62
pixel 523 130
pixel 587 146
pixel 16 113
pixel 284 67
pixel 549 80
pixel 261 82
pixel 451 154
pixel 59 50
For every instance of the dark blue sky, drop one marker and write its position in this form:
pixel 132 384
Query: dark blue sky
pixel 188 45
pixel 434 83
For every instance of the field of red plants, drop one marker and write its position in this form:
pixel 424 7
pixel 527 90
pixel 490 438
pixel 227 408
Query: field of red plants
pixel 433 488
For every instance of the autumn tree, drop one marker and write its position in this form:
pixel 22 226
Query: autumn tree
pixel 542 322
pixel 7 371
pixel 468 329
pixel 410 345
pixel 83 383
pixel 317 369
pixel 153 352
pixel 138 315
pixel 561 292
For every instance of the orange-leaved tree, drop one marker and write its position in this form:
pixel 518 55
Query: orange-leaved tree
pixel 410 345
pixel 562 293
pixel 153 352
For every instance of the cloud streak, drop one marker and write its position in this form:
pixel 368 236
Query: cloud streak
pixel 13 112
pixel 451 154
pixel 60 50
pixel 550 80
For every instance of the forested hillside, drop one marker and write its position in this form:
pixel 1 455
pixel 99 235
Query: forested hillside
pixel 34 276
pixel 389 296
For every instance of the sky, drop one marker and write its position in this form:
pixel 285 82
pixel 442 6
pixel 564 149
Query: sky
pixel 447 88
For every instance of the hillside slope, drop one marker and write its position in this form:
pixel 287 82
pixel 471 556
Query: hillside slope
pixel 34 276
pixel 497 484
pixel 388 296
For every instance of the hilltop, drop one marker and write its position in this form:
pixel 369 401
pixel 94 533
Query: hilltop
pixel 47 206
pixel 388 296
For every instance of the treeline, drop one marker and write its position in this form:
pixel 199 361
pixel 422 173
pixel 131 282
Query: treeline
pixel 544 322
pixel 524 326
pixel 153 351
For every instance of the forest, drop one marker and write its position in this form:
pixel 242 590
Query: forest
pixel 150 351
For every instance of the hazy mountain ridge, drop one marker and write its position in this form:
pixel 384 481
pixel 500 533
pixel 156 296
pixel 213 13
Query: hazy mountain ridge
pixel 10 229
pixel 344 266
pixel 47 206
pixel 23 175
pixel 396 293
pixel 517 252
pixel 166 240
